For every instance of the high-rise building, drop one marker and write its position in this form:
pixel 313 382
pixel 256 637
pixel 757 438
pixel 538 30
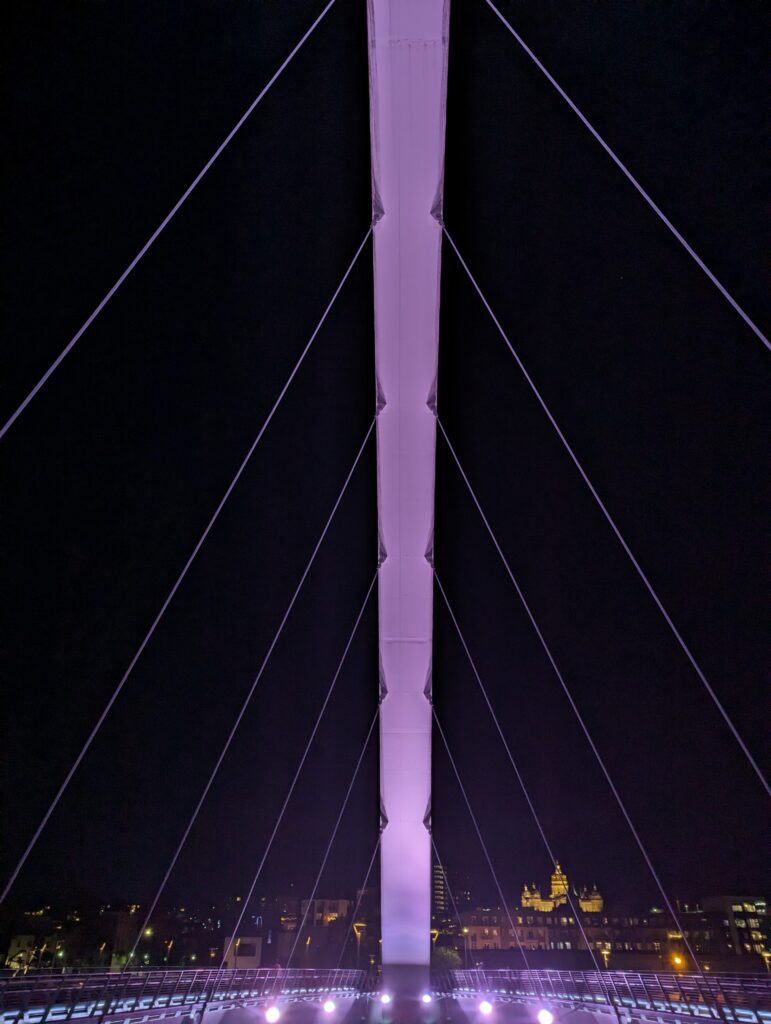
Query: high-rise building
pixel 745 923
pixel 439 898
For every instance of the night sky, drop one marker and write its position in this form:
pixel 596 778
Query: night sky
pixel 110 109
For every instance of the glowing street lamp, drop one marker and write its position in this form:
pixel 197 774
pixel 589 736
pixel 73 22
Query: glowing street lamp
pixel 359 928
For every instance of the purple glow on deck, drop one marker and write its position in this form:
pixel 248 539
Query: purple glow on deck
pixel 408 75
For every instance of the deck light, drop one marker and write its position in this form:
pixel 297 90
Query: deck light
pixel 545 1016
pixel 272 1014
pixel 426 997
pixel 486 1007
pixel 385 999
pixel 329 1006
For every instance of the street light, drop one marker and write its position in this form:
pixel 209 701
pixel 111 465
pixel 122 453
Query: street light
pixel 359 927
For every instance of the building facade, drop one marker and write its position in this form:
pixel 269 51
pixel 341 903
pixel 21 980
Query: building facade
pixel 588 899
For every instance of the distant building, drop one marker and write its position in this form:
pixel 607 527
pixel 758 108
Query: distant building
pixel 464 899
pixel 323 913
pixel 22 952
pixel 588 900
pixel 717 932
pixel 439 897
pixel 491 929
pixel 245 952
pixel 743 921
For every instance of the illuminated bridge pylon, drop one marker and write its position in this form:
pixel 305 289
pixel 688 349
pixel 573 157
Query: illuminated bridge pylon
pixel 408 83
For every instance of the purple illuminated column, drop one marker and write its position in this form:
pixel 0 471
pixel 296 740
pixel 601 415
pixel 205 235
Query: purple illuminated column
pixel 408 76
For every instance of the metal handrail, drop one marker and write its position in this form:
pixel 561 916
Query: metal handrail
pixel 719 996
pixel 101 994
pixel 42 997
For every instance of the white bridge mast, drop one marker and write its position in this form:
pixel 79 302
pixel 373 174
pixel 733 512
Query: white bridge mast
pixel 408 89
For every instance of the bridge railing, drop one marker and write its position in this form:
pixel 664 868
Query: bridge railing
pixel 733 997
pixel 45 998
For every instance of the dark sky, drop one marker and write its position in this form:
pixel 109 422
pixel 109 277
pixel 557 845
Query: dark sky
pixel 110 109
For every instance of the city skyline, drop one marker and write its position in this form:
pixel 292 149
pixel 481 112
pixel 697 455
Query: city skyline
pixel 725 932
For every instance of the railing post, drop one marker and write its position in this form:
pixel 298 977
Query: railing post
pixel 44 1018
pixel 102 995
pixel 178 977
pixel 645 990
pixel 189 989
pixel 680 991
pixel 726 1004
pixel 628 987
pixel 126 975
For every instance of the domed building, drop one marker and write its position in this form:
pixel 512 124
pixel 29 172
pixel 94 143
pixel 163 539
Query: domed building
pixel 558 894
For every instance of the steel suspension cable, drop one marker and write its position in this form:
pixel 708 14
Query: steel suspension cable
pixel 185 569
pixel 574 706
pixel 452 900
pixel 333 836
pixel 358 903
pixel 245 903
pixel 631 178
pixel 250 694
pixel 483 844
pixel 523 787
pixel 611 522
pixel 166 220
